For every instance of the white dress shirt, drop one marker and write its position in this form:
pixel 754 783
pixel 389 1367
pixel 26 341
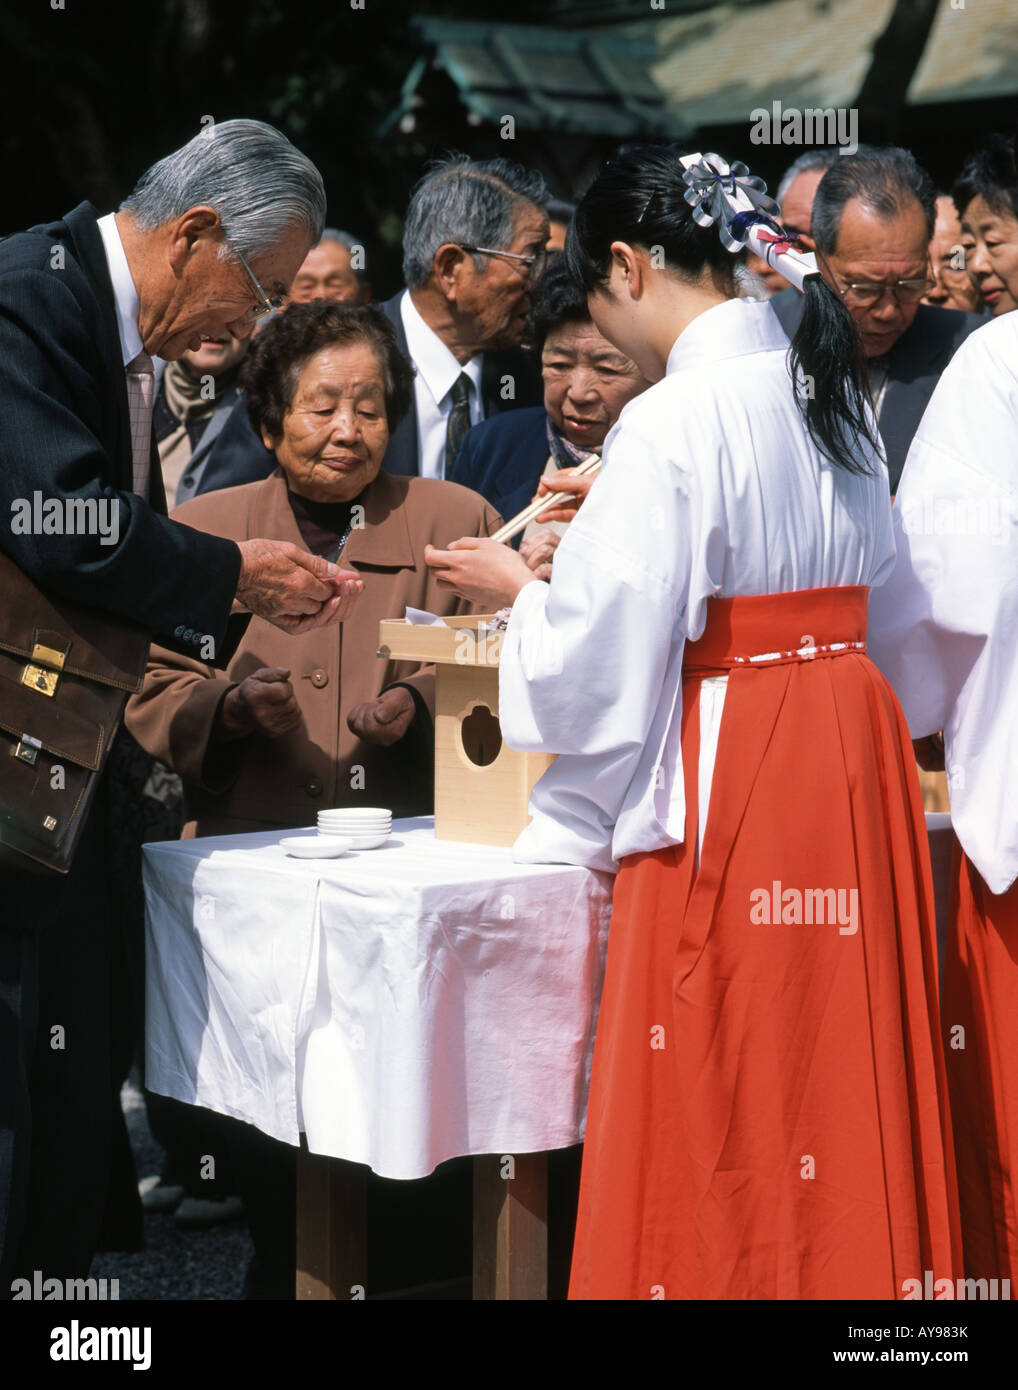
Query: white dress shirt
pixel 944 629
pixel 437 373
pixel 710 486
pixel 124 292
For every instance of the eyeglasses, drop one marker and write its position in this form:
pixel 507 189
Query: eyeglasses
pixel 867 293
pixel 535 263
pixel 267 305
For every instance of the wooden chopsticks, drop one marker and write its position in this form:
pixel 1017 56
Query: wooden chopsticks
pixel 522 520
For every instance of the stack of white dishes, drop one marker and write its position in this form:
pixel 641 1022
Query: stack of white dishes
pixel 366 827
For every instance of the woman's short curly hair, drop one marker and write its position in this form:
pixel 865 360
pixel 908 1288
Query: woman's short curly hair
pixel 278 355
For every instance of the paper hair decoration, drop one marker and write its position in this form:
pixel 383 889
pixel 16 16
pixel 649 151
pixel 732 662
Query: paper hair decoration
pixel 736 202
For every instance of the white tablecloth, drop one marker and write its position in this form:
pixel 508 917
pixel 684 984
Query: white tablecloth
pixel 401 1006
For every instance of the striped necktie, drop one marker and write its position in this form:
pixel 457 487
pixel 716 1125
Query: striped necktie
pixel 459 419
pixel 140 391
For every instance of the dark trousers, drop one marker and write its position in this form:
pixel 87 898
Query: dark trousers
pixel 56 1078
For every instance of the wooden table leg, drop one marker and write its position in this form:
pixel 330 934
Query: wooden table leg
pixel 331 1227
pixel 511 1226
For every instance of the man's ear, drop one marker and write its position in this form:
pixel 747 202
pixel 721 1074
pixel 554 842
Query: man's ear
pixel 448 267
pixel 187 231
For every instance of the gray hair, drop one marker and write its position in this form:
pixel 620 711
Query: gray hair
pixel 352 244
pixel 261 186
pixel 805 164
pixel 884 180
pixel 460 200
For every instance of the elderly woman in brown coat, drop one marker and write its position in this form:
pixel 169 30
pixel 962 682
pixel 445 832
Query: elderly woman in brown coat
pixel 301 722
pixel 317 719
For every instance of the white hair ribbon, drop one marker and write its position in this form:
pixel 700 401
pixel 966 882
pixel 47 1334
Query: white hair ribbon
pixel 736 202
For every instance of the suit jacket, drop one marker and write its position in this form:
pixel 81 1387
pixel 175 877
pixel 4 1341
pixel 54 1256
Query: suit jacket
pixel 503 459
pixel 914 365
pixel 256 782
pixel 65 433
pixel 402 455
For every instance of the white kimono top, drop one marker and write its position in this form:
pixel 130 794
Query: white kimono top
pixel 944 629
pixel 710 486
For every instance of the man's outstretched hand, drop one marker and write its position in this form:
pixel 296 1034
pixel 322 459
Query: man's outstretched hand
pixel 293 589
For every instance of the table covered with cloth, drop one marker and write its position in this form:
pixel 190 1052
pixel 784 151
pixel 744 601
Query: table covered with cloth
pixel 399 1006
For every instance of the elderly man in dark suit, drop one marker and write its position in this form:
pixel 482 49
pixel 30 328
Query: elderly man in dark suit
pixel 209 238
pixel 872 221
pixel 473 248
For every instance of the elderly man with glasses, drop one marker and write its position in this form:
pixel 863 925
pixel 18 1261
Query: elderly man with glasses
pixel 872 221
pixel 473 248
pixel 207 242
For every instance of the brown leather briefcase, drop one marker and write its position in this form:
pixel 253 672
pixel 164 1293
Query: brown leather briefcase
pixel 65 675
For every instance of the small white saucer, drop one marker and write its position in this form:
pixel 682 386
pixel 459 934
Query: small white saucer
pixel 315 846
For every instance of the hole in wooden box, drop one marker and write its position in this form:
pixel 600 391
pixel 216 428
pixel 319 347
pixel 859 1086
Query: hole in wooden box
pixel 481 736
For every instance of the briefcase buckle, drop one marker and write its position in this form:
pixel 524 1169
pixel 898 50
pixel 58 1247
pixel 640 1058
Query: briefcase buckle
pixel 27 750
pixel 43 672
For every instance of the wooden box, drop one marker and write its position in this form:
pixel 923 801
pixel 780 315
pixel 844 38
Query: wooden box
pixel 482 786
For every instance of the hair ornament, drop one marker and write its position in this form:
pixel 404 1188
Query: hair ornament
pixel 736 202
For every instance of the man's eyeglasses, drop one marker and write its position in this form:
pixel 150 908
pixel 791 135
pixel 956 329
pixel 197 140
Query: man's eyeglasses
pixel 866 293
pixel 534 263
pixel 267 304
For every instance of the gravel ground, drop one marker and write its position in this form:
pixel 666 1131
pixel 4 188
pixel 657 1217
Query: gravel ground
pixel 175 1264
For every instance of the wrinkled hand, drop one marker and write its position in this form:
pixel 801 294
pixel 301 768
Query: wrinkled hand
pixel 539 552
pixel 264 704
pixel 565 492
pixel 293 589
pixel 383 721
pixel 481 570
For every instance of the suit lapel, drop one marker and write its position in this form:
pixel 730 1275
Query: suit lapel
pixel 87 245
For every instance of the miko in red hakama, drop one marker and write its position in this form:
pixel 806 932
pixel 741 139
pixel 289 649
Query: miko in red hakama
pixel 768 1114
pixel 980 1013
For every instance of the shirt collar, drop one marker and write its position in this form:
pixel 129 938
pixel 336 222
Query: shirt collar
pixel 732 329
pixel 436 366
pixel 124 292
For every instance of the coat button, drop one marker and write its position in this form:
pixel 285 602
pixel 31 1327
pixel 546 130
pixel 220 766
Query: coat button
pixel 319 678
pixel 314 787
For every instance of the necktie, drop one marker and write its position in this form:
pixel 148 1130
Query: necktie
pixel 140 389
pixel 459 419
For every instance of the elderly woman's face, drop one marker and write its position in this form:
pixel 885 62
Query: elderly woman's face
pixel 334 431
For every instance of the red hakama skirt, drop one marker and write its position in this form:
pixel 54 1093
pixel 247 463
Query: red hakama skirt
pixel 768 1111
pixel 981 1041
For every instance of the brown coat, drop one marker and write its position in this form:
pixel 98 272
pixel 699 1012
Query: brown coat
pixel 257 782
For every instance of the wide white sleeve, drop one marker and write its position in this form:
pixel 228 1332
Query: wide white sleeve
pixel 591 663
pixel 943 627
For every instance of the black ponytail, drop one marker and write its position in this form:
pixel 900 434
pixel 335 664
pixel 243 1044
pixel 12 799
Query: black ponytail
pixel 639 198
pixel 829 377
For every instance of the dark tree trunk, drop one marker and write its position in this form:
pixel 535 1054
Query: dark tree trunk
pixel 896 55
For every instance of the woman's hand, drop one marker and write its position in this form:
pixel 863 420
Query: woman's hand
pixel 565 492
pixel 383 721
pixel 263 704
pixel 539 552
pixel 481 570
